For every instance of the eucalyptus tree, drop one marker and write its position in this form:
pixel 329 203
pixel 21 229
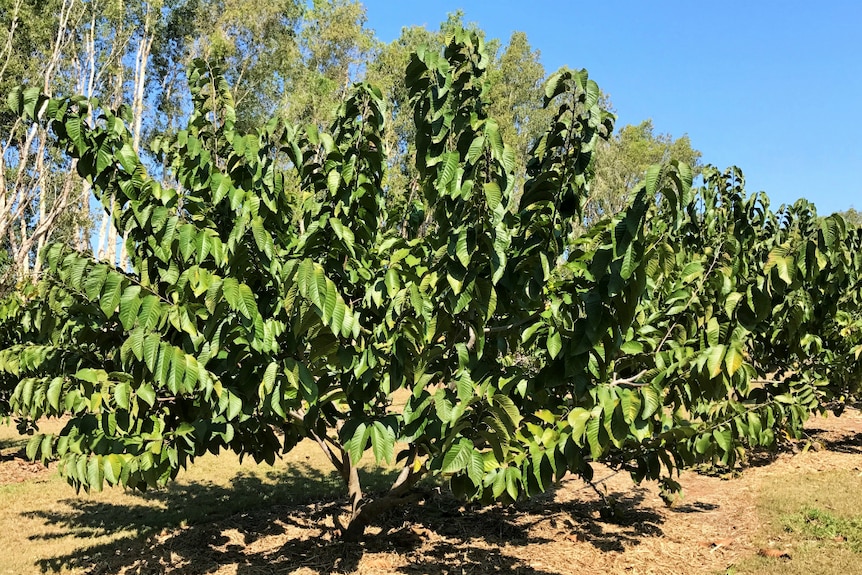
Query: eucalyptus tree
pixel 693 323
pixel 621 163
pixel 35 187
pixel 852 216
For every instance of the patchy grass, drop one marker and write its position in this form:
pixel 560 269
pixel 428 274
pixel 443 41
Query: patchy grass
pixel 823 526
pixel 54 529
pixel 812 516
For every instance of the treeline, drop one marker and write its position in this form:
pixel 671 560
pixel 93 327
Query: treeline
pixel 284 58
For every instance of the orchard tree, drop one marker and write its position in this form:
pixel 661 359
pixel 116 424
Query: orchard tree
pixel 515 80
pixel 268 303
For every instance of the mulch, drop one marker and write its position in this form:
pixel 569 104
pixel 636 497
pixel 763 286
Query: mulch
pixel 628 530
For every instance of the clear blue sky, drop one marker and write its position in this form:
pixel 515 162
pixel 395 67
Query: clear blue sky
pixel 772 87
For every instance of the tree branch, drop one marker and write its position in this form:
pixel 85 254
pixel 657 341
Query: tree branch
pixel 513 325
pixel 630 381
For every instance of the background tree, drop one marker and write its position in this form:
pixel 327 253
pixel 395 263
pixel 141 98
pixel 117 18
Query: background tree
pixel 851 216
pixel 283 57
pixel 34 185
pixel 622 161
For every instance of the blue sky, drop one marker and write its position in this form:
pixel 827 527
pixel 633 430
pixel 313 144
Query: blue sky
pixel 772 87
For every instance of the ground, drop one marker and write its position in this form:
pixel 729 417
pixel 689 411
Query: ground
pixel 791 512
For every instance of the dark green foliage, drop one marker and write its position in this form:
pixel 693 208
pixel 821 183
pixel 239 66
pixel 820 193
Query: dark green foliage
pixel 268 301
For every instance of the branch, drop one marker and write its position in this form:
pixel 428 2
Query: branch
pixel 514 324
pixel 767 381
pixel 298 416
pixel 399 494
pixel 472 341
pixel 630 381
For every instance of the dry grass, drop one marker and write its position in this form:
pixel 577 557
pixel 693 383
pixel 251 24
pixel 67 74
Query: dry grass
pixel 809 506
pixel 225 518
pixel 46 526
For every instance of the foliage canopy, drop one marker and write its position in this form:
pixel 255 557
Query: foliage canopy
pixel 268 301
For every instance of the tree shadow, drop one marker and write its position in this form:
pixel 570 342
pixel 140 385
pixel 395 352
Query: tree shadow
pixel 694 507
pixel 845 444
pixel 179 506
pixel 15 446
pixel 13 455
pixel 263 528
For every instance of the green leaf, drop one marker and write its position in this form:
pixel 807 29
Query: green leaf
pixel 112 467
pixel 230 289
pixel 234 405
pixel 95 376
pixel 127 157
pixel 130 305
pixel 723 437
pixel 245 302
pixel 651 401
pixel 73 130
pixel 150 314
pixel 32 449
pixel 577 419
pixel 631 405
pixel 104 157
pixel 382 442
pixel 458 456
pixel 461 248
pixel 632 347
pixel 392 282
pixel 712 332
pixel 714 360
pixel 55 390
pixel 476 149
pixel 476 467
pixel 733 359
pixel 146 393
pixel 94 281
pixel 594 428
pixel 447 172
pixel 151 351
pixel 356 436
pixel 112 292
pixel 95 475
pixel 555 343
pixel 509 408
pixel 122 394
pixel 652 177
pixel 493 195
pixel 629 263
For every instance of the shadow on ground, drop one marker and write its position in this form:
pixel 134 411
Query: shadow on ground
pixel 845 444
pixel 263 528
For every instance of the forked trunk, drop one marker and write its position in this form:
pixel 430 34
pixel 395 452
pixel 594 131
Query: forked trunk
pixel 363 512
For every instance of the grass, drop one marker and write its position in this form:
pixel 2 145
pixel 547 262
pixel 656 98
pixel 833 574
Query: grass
pixel 824 526
pixel 223 516
pixel 54 529
pixel 815 517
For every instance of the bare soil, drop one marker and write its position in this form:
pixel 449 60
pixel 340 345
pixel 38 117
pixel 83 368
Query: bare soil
pixel 572 529
pixel 15 468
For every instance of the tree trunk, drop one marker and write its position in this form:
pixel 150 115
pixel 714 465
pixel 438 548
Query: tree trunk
pixel 363 512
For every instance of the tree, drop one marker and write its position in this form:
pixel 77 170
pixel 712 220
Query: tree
pixel 515 77
pixel 851 216
pixel 693 323
pixel 35 186
pixel 622 161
